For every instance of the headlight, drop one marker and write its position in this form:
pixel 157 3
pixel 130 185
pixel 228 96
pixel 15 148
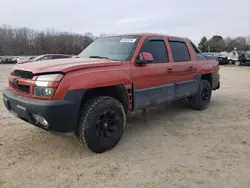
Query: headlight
pixel 50 78
pixel 44 91
pixel 42 88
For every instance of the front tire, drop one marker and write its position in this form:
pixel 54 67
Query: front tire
pixel 102 122
pixel 237 63
pixel 201 99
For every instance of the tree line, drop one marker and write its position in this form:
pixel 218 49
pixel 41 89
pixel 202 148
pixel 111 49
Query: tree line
pixel 25 41
pixel 217 44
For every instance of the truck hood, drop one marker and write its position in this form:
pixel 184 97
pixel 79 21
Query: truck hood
pixel 65 65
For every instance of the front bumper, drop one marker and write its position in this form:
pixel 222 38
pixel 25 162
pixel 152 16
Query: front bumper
pixel 215 81
pixel 61 115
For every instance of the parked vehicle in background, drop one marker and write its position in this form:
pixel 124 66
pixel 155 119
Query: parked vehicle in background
pixel 210 55
pixel 23 59
pixel 46 57
pixel 31 58
pixel 233 57
pixel 114 76
pixel 20 58
pixel 222 58
pixel 15 59
pixel 8 60
pixel 244 59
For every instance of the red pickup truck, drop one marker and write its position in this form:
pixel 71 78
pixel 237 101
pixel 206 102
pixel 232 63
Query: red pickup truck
pixel 92 95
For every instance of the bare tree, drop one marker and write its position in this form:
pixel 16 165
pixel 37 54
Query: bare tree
pixel 24 41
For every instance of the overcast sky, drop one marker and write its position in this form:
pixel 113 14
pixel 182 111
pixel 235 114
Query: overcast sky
pixel 191 18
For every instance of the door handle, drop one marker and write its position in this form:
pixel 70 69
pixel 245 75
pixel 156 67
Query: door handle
pixel 170 70
pixel 191 68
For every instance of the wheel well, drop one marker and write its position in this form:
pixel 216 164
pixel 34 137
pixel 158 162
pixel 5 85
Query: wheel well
pixel 207 77
pixel 118 92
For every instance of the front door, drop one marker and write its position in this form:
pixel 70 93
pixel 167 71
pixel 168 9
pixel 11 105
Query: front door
pixel 153 83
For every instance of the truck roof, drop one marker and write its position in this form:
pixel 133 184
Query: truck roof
pixel 147 35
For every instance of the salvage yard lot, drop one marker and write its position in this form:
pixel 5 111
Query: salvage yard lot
pixel 168 146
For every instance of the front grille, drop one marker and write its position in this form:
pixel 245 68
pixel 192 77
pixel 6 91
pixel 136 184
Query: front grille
pixel 23 74
pixel 22 88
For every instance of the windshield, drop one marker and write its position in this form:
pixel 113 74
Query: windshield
pixel 118 48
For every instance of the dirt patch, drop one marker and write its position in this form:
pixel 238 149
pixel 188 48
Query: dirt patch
pixel 168 146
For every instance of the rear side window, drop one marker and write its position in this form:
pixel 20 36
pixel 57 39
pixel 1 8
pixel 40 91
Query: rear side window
pixel 179 50
pixel 157 48
pixel 198 53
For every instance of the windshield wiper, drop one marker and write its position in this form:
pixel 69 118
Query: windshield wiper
pixel 96 56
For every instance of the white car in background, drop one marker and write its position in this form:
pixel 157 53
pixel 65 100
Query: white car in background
pixel 19 59
pixel 15 59
pixel 233 57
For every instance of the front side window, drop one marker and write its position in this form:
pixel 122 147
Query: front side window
pixel 118 48
pixel 157 48
pixel 179 51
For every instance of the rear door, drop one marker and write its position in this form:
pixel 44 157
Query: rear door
pixel 183 69
pixel 153 82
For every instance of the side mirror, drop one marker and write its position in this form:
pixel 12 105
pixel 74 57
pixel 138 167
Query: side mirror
pixel 144 57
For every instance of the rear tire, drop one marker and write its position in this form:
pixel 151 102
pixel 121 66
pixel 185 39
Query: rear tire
pixel 102 122
pixel 201 99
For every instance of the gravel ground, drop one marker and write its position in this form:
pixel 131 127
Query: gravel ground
pixel 168 146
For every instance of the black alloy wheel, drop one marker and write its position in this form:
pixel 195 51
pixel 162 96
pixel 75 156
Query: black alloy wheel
pixel 107 124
